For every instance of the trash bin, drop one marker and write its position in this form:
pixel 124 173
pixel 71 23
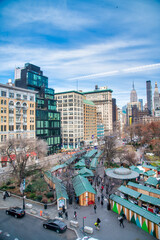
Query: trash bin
pixel 45 206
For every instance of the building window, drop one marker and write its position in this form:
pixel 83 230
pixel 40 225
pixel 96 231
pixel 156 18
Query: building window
pixel 11 128
pixel 24 112
pixel 31 119
pixel 1 119
pixel 4 128
pixel 1 109
pixel 1 128
pixel 5 102
pixel 18 96
pixel 11 119
pixel 11 95
pixel 11 103
pixel 18 127
pixel 1 101
pixel 25 97
pixel 31 112
pixel 1 138
pixel 5 110
pixel 24 127
pixel 24 120
pixel 31 127
pixel 3 94
pixel 4 118
pixel 31 98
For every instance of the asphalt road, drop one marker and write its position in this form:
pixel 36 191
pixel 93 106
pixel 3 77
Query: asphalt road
pixel 28 228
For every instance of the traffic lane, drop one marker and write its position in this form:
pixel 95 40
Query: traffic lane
pixel 29 227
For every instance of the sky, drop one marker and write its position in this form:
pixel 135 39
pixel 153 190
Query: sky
pixel 82 43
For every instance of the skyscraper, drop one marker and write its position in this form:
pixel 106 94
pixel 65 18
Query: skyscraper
pixel 133 95
pixel 47 118
pixel 141 101
pixel 149 96
pixel 156 98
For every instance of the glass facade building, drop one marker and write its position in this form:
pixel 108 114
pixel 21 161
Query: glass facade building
pixel 47 116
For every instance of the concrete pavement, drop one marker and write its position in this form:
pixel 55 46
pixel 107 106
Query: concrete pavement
pixel 109 229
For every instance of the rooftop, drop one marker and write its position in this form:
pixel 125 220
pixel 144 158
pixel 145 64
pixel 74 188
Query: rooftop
pixel 82 185
pixel 133 207
pixel 98 91
pixel 121 173
pixel 72 91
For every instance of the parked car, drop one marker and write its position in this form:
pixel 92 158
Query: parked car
pixel 16 212
pixel 55 225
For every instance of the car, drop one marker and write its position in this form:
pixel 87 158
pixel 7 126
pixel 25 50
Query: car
pixel 55 225
pixel 16 212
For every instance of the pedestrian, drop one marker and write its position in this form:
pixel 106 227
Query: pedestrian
pixel 75 215
pixel 4 195
pixel 66 215
pixel 120 218
pixel 98 221
pixel 101 203
pixel 102 187
pixel 95 207
pixel 63 209
pixel 102 197
pixel 98 198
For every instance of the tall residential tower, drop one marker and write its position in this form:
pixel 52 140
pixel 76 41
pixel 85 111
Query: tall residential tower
pixel 47 117
pixel 149 96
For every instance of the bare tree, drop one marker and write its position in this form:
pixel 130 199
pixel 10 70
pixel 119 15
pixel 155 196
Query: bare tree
pixel 130 157
pixel 19 152
pixel 109 149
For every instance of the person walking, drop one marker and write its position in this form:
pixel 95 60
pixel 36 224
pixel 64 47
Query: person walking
pixel 66 215
pixel 98 198
pixel 4 195
pixel 63 209
pixel 75 215
pixel 95 207
pixel 101 203
pixel 102 187
pixel 102 197
pixel 120 218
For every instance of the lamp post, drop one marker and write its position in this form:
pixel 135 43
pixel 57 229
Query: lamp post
pixel 83 223
pixel 23 200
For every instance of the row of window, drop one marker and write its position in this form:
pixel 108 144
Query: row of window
pixel 18 136
pixel 3 110
pixel 18 127
pixel 17 95
pixel 3 102
pixel 69 96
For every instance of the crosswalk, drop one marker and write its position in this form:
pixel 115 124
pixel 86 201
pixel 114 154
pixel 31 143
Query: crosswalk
pixel 5 235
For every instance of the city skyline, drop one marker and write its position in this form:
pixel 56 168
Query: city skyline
pixel 85 43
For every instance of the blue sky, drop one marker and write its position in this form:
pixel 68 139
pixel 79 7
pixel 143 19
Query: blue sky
pixel 81 43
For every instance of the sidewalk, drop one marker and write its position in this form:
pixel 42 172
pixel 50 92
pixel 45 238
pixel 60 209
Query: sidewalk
pixel 109 229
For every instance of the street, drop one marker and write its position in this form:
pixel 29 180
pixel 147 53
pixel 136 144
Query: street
pixel 28 228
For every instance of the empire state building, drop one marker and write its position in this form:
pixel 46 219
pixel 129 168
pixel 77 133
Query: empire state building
pixel 133 95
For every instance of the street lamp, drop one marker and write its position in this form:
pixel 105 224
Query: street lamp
pixel 83 223
pixel 23 200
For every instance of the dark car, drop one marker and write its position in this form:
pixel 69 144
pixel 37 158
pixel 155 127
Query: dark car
pixel 56 225
pixel 15 211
